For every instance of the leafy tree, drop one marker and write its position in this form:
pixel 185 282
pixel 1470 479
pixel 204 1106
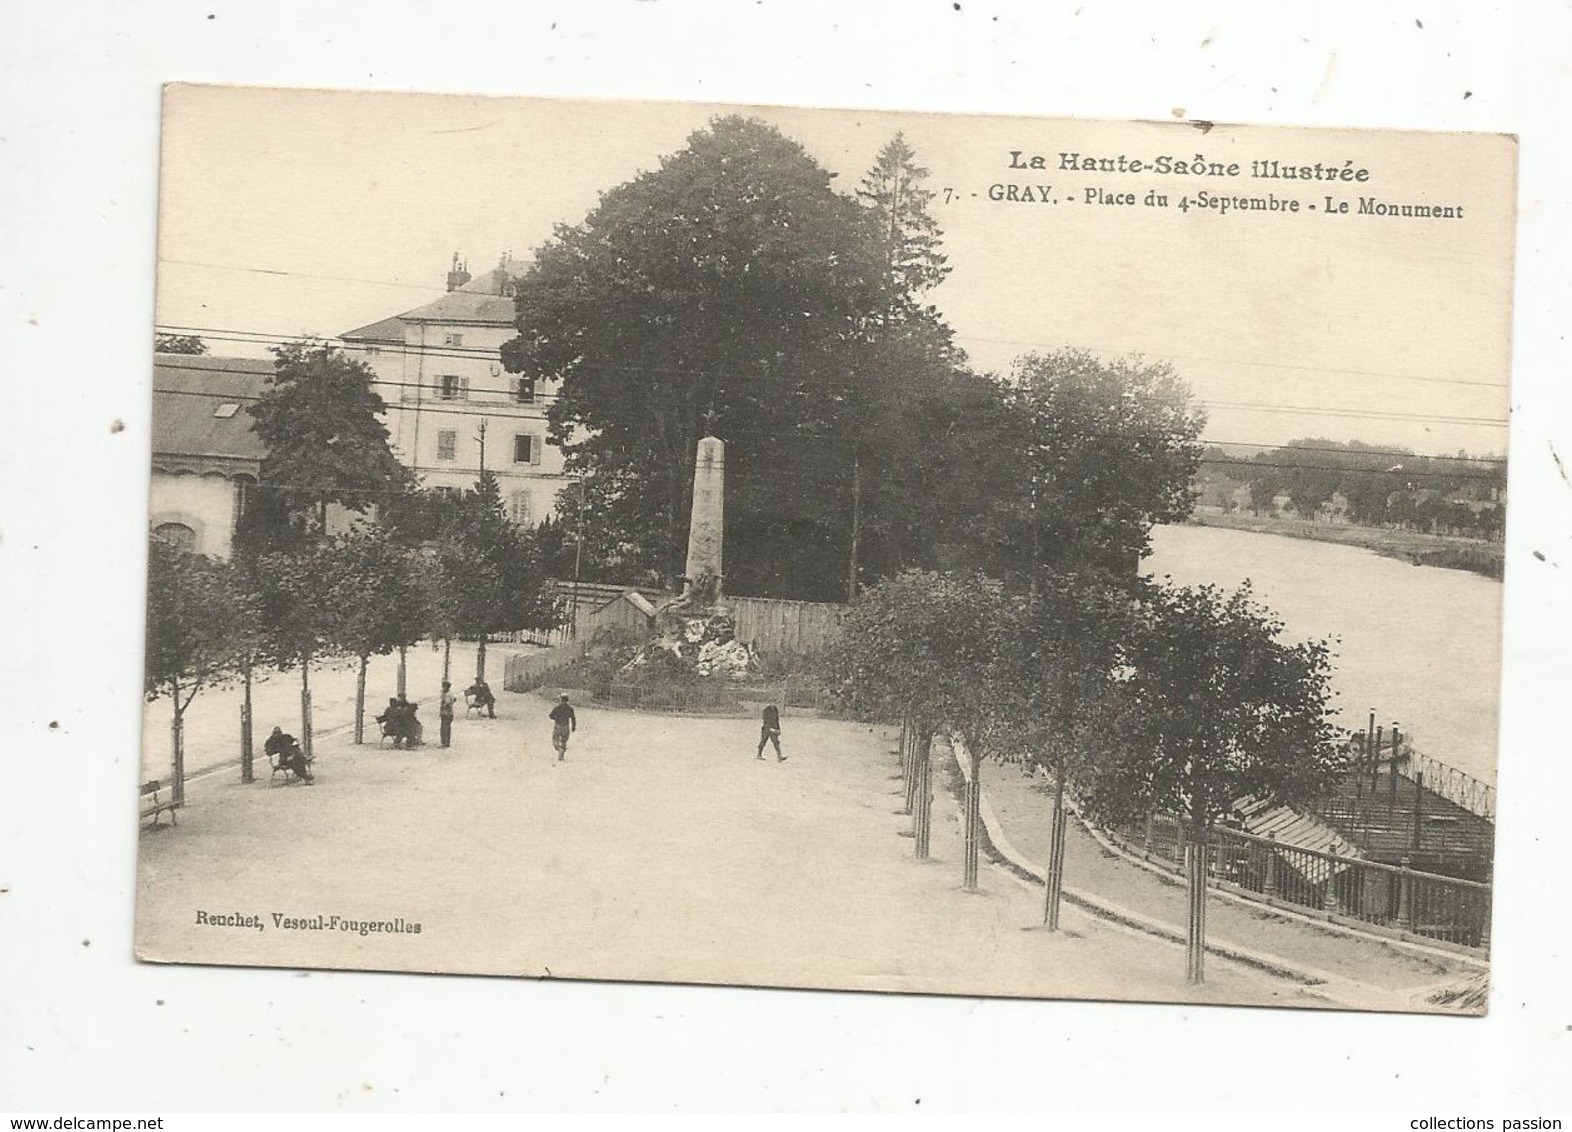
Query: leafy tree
pixel 1223 709
pixel 1097 453
pixel 320 420
pixel 921 647
pixel 300 614
pixel 178 344
pixel 379 601
pixel 197 623
pixel 491 574
pixel 1056 696
pixel 728 280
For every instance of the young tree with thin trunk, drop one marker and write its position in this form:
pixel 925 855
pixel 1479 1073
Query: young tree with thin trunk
pixel 197 624
pixel 918 648
pixel 1056 699
pixel 379 600
pixel 1222 709
pixel 299 615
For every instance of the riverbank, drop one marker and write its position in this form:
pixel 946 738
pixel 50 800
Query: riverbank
pixel 1485 558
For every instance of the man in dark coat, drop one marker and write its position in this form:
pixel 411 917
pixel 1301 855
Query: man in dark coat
pixel 770 732
pixel 563 723
pixel 284 749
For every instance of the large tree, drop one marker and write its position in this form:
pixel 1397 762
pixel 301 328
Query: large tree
pixel 326 443
pixel 1095 452
pixel 728 281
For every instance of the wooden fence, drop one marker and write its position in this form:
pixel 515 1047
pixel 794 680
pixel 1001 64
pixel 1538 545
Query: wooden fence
pixel 778 627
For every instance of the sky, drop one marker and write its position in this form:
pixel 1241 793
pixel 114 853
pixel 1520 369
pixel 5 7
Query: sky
pixel 296 212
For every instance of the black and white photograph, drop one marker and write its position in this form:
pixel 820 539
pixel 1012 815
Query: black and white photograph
pixel 923 553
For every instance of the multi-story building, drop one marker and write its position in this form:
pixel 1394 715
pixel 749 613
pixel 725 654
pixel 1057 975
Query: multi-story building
pixel 206 458
pixel 452 408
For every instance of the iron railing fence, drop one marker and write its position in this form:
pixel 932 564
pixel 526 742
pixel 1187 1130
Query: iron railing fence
pixel 527 671
pixel 1390 896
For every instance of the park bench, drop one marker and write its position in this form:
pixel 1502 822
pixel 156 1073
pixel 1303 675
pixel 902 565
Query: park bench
pixel 278 766
pixel 153 806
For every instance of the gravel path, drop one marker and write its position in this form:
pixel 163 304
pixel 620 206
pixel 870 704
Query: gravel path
pixel 661 850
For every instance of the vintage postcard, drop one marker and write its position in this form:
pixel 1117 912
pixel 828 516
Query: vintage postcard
pixel 826 548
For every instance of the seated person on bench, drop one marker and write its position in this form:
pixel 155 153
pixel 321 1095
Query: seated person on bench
pixel 284 749
pixel 479 696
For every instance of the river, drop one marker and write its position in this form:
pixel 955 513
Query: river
pixel 1420 644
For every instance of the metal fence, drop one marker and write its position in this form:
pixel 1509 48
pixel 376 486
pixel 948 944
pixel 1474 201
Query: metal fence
pixel 528 671
pixel 1390 896
pixel 1452 784
pixel 701 698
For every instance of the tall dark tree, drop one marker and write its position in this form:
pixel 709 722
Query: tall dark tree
pixel 729 280
pixel 326 443
pixel 906 233
pixel 907 347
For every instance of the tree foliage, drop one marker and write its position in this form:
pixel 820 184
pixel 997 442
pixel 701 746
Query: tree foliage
pixel 377 592
pixel 1222 709
pixel 200 620
pixel 1096 453
pixel 734 278
pixel 179 344
pixel 326 443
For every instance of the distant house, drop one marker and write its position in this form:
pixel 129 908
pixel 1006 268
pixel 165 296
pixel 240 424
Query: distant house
pixel 206 458
pixel 439 368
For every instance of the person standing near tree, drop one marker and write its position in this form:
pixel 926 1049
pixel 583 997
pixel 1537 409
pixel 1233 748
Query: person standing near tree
pixel 563 723
pixel 445 713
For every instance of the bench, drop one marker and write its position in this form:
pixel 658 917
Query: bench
pixel 153 806
pixel 278 766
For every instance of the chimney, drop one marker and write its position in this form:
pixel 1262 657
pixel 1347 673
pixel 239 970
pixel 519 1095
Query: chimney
pixel 458 276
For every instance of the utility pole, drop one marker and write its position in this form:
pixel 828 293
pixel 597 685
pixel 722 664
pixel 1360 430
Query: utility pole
pixel 482 435
pixel 578 561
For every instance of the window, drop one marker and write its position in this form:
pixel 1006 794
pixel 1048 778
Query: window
pixel 518 508
pixel 373 349
pixel 177 536
pixel 453 339
pixel 526 449
pixel 226 410
pixel 451 388
pixel 526 391
pixel 447 493
pixel 447 444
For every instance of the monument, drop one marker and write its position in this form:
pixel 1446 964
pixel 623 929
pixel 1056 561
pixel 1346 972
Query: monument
pixel 706 530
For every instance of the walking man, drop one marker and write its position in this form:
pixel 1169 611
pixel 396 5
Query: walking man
pixel 445 713
pixel 563 723
pixel 770 732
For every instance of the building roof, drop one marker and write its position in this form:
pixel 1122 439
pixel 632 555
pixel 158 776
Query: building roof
pixel 192 395
pixel 463 306
pixel 383 330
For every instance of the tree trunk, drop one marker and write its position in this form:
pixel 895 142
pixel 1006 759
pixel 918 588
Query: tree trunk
pixel 856 528
pixel 1054 886
pixel 923 819
pixel 480 659
pixel 447 658
pixel 360 700
pixel 177 764
pixel 305 705
pixel 403 669
pixel 1195 883
pixel 973 822
pixel 247 754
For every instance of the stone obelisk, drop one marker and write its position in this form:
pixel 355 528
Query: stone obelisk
pixel 705 527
